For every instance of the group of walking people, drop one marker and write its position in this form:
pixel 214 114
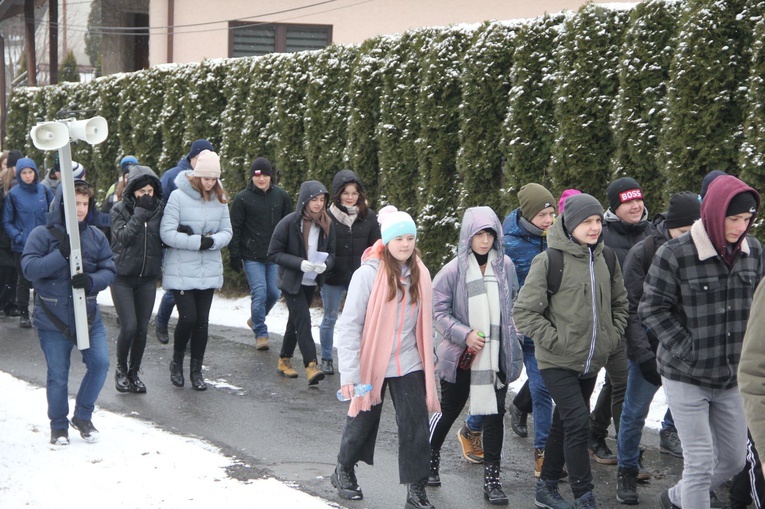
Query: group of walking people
pixel 560 288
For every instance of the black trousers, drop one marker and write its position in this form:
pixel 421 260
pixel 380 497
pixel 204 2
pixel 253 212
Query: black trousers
pixel 748 486
pixel 567 442
pixel 408 395
pixel 522 400
pixel 611 398
pixel 298 332
pixel 22 286
pixel 8 277
pixel 453 399
pixel 134 301
pixel 193 317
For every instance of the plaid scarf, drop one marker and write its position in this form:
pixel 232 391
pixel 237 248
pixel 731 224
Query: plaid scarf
pixel 484 313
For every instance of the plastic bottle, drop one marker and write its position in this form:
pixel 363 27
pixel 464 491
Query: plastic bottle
pixel 358 390
pixel 466 359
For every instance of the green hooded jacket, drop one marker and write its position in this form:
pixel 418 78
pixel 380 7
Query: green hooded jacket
pixel 561 325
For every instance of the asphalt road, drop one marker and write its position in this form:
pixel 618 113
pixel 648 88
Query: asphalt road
pixel 283 428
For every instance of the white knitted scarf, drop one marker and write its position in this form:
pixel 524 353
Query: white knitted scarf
pixel 484 316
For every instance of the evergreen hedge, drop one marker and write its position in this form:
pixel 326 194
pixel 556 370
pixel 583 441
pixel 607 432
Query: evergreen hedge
pixel 435 120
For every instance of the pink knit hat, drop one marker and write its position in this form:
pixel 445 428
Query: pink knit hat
pixel 208 165
pixel 567 193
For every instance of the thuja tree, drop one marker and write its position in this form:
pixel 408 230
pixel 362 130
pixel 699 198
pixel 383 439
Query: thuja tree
pixel 752 154
pixel 326 115
pixel 364 92
pixel 174 146
pixel 258 133
pixel 587 84
pixel 20 118
pixel 485 86
pixel 437 107
pixel 528 131
pixel 288 129
pixel 105 100
pixel 649 45
pixel 146 137
pixel 399 125
pixel 127 122
pixel 204 102
pixel 705 100
pixel 234 147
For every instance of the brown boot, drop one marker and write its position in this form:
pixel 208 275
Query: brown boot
pixel 313 373
pixel 539 459
pixel 261 343
pixel 285 368
pixel 472 444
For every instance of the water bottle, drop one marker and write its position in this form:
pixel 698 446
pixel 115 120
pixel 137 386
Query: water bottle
pixel 466 359
pixel 358 390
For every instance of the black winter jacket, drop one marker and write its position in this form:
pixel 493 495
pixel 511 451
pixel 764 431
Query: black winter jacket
pixel 254 215
pixel 350 242
pixel 621 236
pixel 641 346
pixel 287 248
pixel 135 241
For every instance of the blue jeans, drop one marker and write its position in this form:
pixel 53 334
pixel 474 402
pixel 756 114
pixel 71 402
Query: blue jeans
pixel 166 306
pixel 263 293
pixel 637 403
pixel 540 399
pixel 58 349
pixel 331 295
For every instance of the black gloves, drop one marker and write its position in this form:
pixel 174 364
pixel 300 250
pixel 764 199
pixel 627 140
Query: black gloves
pixel 235 264
pixel 206 243
pixel 81 280
pixel 64 248
pixel 648 369
pixel 185 229
pixel 147 202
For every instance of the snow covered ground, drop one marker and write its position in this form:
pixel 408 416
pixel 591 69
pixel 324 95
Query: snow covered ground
pixel 173 471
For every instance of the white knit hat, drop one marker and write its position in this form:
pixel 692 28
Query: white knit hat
pixel 394 223
pixel 208 165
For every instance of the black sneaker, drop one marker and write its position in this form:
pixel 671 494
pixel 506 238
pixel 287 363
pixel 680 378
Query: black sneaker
pixel 162 335
pixel 669 443
pixel 344 479
pixel 626 486
pixel 600 452
pixel 11 311
pixel 59 437
pixel 88 432
pixel 24 321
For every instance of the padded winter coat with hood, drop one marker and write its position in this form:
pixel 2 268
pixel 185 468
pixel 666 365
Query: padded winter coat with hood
pixel 578 327
pixel 48 270
pixel 522 245
pixel 185 267
pixel 621 236
pixel 287 248
pixel 135 239
pixel 450 301
pixel 350 241
pixel 26 206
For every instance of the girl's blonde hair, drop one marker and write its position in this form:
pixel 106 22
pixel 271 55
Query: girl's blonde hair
pixel 217 190
pixel 393 270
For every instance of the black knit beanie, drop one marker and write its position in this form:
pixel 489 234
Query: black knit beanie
pixel 261 166
pixel 623 190
pixel 684 210
pixel 742 203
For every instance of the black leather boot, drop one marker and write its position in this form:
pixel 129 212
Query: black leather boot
pixel 197 382
pixel 416 498
pixel 492 488
pixel 176 369
pixel 434 479
pixel 136 385
pixel 121 382
pixel 344 479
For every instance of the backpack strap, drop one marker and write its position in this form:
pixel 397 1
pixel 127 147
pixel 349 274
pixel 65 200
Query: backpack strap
pixel 554 270
pixel 555 267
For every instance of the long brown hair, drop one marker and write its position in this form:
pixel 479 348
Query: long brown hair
pixel 393 270
pixel 196 183
pixel 361 203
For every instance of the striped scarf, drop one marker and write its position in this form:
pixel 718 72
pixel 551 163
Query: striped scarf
pixel 484 313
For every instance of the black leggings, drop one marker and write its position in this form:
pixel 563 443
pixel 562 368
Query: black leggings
pixel 134 301
pixel 193 316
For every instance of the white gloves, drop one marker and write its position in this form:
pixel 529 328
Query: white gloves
pixel 320 268
pixel 307 266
